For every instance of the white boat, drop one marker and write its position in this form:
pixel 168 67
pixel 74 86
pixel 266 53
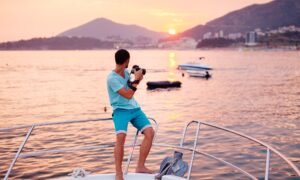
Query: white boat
pixel 191 66
pixel 194 66
pixel 201 74
pixel 81 174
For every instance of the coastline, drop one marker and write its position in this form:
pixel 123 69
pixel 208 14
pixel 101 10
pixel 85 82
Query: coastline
pixel 231 48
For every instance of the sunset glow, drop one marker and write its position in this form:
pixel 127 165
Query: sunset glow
pixel 172 31
pixel 43 18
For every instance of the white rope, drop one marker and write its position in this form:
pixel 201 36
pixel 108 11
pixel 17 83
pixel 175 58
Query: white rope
pixel 79 172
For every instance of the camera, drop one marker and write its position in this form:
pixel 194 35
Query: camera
pixel 137 68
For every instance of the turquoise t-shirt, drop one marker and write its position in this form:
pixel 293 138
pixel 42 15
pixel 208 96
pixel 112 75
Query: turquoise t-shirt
pixel 115 82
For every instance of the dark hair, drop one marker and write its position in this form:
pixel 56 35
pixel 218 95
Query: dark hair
pixel 121 56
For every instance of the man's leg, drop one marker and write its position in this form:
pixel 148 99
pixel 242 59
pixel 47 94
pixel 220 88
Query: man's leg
pixel 119 153
pixel 144 150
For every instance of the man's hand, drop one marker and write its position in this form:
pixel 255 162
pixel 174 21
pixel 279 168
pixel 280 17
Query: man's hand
pixel 138 75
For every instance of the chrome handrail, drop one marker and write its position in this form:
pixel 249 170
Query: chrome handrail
pixel 261 143
pixel 194 147
pixel 134 144
pixel 18 152
pixel 193 150
pixel 30 131
pixel 54 123
pixel 269 148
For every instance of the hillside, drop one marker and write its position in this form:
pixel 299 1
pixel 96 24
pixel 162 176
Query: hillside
pixel 106 29
pixel 264 16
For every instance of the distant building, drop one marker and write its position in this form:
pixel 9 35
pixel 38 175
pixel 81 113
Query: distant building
pixel 144 42
pixel 182 43
pixel 122 45
pixel 207 35
pixel 216 35
pixel 251 39
pixel 114 38
pixel 259 32
pixel 275 31
pixel 234 36
pixel 284 29
pixel 221 34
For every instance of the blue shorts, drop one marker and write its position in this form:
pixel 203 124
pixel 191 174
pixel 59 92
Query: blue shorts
pixel 136 116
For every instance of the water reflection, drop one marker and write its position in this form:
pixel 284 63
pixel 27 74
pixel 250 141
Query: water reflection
pixel 172 66
pixel 256 93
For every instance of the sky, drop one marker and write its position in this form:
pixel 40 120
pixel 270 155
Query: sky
pixel 25 19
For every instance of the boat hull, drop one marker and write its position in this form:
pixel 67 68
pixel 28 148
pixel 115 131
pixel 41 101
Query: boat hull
pixel 198 74
pixel 193 67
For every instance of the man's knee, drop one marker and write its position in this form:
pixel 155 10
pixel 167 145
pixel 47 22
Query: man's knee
pixel 149 133
pixel 121 139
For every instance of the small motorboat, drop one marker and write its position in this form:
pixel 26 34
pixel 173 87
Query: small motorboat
pixel 163 84
pixel 193 67
pixel 199 74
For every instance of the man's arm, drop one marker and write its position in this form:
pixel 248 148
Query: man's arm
pixel 128 93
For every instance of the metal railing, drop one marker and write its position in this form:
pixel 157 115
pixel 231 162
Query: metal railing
pixel 269 149
pixel 134 144
pixel 18 154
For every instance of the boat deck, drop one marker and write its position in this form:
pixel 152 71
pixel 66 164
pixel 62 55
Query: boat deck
pixel 181 146
pixel 129 176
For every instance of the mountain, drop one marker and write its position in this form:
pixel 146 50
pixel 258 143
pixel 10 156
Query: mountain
pixel 106 29
pixel 267 16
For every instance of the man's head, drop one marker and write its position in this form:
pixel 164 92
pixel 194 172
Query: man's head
pixel 122 57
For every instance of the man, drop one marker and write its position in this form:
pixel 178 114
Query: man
pixel 125 110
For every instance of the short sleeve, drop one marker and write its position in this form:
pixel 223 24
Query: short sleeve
pixel 114 84
pixel 127 74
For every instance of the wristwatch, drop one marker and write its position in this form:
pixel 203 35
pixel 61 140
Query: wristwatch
pixel 136 82
pixel 131 86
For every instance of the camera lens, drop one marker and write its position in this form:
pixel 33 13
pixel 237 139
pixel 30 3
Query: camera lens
pixel 137 68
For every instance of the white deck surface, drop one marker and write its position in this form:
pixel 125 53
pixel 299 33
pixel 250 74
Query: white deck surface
pixel 129 176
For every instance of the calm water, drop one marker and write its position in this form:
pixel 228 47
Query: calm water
pixel 257 93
